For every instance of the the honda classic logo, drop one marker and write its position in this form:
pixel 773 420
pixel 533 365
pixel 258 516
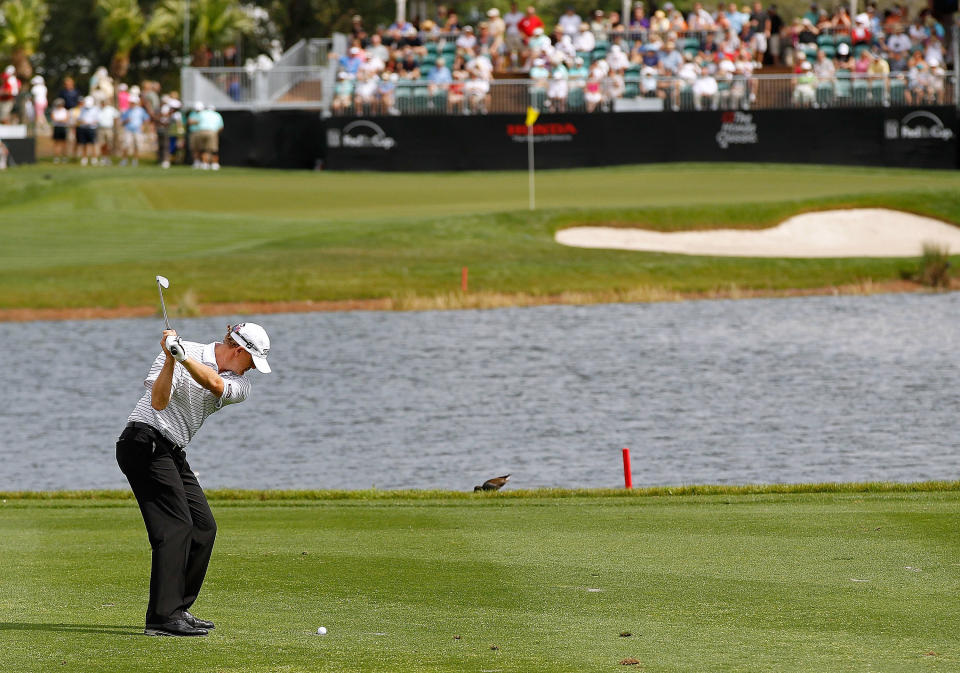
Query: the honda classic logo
pixel 546 132
pixel 360 134
pixel 918 125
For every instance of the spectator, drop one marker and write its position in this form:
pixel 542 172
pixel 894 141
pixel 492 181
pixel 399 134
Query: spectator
pixel 342 99
pixel 409 65
pixel 933 54
pixel 9 90
pixel 365 91
pixel 617 59
pixel 861 34
pixel 477 88
pixel 38 91
pixel 86 131
pixel 498 30
pixel 456 93
pixel 60 119
pixel 862 64
pixel 69 94
pixel 133 121
pixel 699 19
pixel 107 116
pixel 210 124
pixel 774 41
pixel 558 88
pixel 705 86
pixel 614 24
pixel 352 61
pixel 841 20
pixel 584 42
pixel 804 92
pixel 123 98
pixel 844 58
pixel 452 24
pixel 823 68
pixel 101 86
pixel 439 78
pixel 897 41
pixel 570 22
pixel 467 43
pixel 598 25
pixel 577 75
pixel 387 93
pixel 377 50
pixel 638 20
pixel 593 94
pixel 530 22
pixel 513 37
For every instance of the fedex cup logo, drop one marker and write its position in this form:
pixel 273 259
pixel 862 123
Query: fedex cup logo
pixel 360 134
pixel 919 125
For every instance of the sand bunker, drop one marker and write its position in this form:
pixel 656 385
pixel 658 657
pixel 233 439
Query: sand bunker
pixel 865 232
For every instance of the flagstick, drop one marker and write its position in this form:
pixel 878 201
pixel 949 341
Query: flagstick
pixel 530 164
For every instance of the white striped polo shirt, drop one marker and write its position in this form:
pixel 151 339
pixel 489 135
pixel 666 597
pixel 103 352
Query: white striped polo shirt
pixel 190 403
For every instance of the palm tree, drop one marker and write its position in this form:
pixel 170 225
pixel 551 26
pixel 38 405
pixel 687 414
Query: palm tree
pixel 21 24
pixel 214 24
pixel 121 26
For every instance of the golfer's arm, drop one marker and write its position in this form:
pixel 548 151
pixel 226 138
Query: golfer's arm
pixel 204 375
pixel 160 392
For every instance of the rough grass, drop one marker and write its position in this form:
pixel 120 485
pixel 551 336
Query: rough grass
pixel 798 582
pixel 81 238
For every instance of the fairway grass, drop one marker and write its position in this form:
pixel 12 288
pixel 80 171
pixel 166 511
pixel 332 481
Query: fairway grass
pixel 76 238
pixel 828 581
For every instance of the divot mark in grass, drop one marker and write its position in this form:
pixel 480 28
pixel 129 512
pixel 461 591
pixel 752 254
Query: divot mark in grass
pixel 592 590
pixel 625 634
pixel 854 579
pixel 629 662
pixel 912 569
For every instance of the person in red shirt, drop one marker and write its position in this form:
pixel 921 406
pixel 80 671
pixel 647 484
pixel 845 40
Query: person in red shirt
pixel 530 22
pixel 9 90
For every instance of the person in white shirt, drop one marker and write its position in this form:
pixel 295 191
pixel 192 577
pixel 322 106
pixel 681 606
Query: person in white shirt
pixel 570 22
pixel 513 38
pixel 183 388
pixel 585 41
pixel 38 91
pixel 106 133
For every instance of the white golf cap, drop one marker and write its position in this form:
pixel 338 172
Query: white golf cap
pixel 253 339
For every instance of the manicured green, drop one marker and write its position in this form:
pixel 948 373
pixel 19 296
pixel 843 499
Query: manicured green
pixel 95 236
pixel 843 581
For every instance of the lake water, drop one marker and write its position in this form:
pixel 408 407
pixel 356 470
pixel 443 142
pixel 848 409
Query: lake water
pixel 779 390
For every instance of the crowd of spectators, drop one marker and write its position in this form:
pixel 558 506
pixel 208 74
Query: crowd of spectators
pixel 700 57
pixel 113 121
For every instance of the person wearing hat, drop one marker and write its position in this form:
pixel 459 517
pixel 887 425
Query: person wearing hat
pixel 133 121
pixel 38 92
pixel 9 90
pixel 88 119
pixel 182 390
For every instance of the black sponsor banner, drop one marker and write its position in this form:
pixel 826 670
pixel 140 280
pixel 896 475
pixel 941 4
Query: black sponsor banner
pixel 907 137
pixel 22 150
pixel 273 139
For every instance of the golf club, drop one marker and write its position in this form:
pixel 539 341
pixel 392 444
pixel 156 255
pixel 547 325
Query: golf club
pixel 174 348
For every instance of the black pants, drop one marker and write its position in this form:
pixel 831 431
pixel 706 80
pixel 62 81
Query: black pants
pixel 179 522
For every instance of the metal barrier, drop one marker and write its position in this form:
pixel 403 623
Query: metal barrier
pixel 314 87
pixel 636 93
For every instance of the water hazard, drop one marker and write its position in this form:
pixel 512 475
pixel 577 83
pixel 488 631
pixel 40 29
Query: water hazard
pixel 781 390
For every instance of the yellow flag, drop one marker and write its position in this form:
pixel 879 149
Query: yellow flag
pixel 532 114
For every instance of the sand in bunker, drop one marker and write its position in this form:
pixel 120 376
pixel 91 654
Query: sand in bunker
pixel 864 232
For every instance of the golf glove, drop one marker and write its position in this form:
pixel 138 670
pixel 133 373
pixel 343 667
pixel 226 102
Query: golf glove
pixel 175 346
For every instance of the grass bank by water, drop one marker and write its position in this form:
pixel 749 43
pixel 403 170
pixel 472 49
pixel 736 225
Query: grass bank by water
pixel 765 581
pixel 90 237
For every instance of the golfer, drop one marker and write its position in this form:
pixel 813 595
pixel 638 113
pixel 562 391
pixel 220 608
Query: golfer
pixel 180 394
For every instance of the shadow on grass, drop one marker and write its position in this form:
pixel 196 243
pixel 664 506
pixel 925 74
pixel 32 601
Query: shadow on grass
pixel 71 628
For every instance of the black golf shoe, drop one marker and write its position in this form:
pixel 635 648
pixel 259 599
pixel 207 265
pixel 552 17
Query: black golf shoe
pixel 175 627
pixel 197 622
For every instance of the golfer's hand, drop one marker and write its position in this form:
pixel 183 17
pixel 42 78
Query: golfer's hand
pixel 172 345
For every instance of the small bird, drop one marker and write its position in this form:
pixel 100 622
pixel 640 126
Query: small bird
pixel 494 484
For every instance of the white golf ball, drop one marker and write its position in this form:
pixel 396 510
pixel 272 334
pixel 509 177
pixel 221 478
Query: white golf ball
pixel 322 631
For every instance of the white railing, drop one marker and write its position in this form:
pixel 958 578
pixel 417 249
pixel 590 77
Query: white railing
pixel 315 87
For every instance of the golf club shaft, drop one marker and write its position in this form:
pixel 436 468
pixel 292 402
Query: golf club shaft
pixel 163 306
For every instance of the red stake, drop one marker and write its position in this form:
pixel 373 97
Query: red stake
pixel 463 280
pixel 627 473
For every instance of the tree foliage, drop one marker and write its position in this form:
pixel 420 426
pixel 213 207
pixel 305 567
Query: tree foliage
pixel 21 27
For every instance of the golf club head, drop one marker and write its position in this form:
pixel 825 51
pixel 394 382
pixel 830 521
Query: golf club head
pixel 164 283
